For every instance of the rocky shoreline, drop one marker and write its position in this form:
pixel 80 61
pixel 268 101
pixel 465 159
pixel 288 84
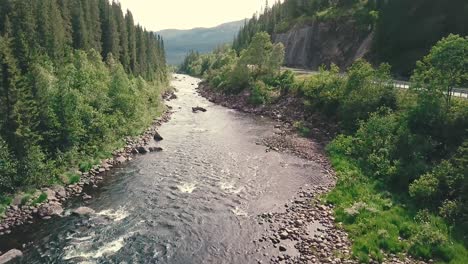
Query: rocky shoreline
pixel 17 215
pixel 306 232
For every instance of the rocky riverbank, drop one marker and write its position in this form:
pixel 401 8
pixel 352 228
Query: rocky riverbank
pixel 306 232
pixel 18 213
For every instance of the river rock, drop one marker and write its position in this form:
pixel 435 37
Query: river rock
pixel 142 150
pixel 157 136
pixel 50 209
pixel 120 159
pixel 155 149
pixel 60 190
pixel 10 255
pixel 198 109
pixel 83 211
pixel 135 151
pixel 284 235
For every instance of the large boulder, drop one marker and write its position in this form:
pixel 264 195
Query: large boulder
pixel 83 211
pixel 10 255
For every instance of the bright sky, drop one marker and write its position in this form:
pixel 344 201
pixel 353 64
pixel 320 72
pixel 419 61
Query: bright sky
pixel 185 14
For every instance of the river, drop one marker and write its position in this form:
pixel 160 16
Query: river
pixel 195 202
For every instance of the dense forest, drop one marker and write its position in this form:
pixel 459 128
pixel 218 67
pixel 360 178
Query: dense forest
pixel 400 155
pixel 404 30
pixel 76 77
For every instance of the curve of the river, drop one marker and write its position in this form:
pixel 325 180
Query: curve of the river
pixel 195 202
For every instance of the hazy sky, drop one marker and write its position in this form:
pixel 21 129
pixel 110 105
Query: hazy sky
pixel 185 14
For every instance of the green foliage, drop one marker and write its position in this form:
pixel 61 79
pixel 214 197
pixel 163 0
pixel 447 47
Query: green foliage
pixel 378 220
pixel 60 103
pixel 366 90
pixel 257 67
pixel 351 98
pixel 324 90
pixel 264 58
pixel 5 201
pixel 8 168
pixel 442 70
pixel 259 93
pixel 40 199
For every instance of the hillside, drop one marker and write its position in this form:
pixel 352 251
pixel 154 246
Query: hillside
pixel 179 42
pixel 318 32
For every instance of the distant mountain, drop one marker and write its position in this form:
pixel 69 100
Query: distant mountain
pixel 179 42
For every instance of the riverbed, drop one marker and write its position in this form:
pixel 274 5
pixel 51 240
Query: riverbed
pixel 198 201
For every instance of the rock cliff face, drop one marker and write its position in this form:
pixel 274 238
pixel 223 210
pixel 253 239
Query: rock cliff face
pixel 319 43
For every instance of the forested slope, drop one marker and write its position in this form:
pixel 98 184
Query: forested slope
pixel 75 78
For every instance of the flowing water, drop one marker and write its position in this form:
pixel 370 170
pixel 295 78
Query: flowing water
pixel 195 202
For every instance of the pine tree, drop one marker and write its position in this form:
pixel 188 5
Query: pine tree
pixel 132 49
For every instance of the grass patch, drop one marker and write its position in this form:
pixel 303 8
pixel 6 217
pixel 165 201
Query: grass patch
pixel 42 198
pixel 71 178
pixel 378 220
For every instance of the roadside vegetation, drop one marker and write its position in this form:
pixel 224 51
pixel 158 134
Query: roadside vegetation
pixel 76 78
pixel 401 156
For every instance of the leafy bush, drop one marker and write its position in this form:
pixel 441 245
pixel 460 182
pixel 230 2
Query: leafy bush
pixel 259 93
pixel 324 90
pixel 366 91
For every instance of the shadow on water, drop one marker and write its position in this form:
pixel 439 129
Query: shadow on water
pixel 195 202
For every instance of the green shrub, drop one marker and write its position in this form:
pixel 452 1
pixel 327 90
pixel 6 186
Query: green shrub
pixel 366 90
pixel 42 198
pixel 259 93
pixel 425 189
pixel 324 90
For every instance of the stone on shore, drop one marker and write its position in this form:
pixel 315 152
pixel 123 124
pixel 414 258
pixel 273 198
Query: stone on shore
pixel 83 211
pixel 157 136
pixel 142 150
pixel 121 159
pixel 155 149
pixel 198 109
pixel 50 209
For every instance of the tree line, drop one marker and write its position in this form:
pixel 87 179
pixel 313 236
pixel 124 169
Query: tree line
pixel 75 78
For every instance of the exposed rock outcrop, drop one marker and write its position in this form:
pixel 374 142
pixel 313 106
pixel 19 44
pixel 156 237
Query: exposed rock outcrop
pixel 319 43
